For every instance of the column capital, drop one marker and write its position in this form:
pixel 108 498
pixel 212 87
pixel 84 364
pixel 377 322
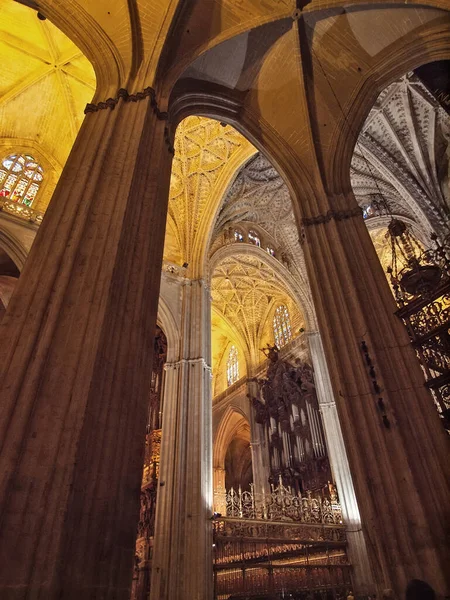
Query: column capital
pixel 336 215
pixel 186 361
pixel 125 96
pixel 201 281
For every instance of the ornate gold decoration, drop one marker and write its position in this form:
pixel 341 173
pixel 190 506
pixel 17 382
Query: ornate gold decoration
pixel 243 289
pixel 203 149
pixel 22 211
pixel 278 542
pixel 281 504
pixel 152 457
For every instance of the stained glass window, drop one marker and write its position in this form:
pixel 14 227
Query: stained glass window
pixel 270 251
pixel 253 238
pixel 20 178
pixel 368 211
pixel 232 366
pixel 238 236
pixel 282 326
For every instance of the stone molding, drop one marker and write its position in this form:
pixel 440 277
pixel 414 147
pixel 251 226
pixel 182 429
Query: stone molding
pixel 123 93
pixel 337 215
pixel 148 92
pixel 185 361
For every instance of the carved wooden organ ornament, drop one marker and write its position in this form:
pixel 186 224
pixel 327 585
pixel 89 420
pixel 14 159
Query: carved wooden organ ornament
pixel 288 410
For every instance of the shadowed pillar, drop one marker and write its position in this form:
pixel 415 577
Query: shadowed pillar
pixel 182 558
pixel 76 358
pixel 399 463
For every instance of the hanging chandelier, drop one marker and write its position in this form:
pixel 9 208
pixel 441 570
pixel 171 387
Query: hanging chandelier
pixel 420 280
pixel 414 272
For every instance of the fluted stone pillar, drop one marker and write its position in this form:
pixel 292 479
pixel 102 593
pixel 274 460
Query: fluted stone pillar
pixel 399 463
pixel 357 550
pixel 258 445
pixel 76 358
pixel 182 558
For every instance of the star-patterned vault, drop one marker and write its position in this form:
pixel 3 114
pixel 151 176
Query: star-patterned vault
pixel 207 155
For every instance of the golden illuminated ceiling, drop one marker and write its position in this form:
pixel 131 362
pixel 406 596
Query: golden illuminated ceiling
pixel 207 156
pixel 245 290
pixel 45 84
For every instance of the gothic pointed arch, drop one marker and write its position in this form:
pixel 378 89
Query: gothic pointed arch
pixel 233 422
pixel 427 43
pixel 168 323
pixel 13 247
pixel 286 280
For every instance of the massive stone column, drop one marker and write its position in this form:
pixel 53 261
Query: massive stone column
pixel 75 361
pixel 396 447
pixel 357 550
pixel 182 559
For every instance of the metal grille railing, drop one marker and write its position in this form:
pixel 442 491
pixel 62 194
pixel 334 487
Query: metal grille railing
pixel 281 504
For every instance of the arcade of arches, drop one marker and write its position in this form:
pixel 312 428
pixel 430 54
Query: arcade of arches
pixel 223 173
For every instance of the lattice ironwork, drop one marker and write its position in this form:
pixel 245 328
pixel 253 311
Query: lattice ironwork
pixel 281 504
pixel 422 292
pixel 278 582
pixel 254 557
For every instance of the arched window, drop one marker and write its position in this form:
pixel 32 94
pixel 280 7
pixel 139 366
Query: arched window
pixel 238 237
pixel 368 211
pixel 20 178
pixel 282 326
pixel 253 238
pixel 232 366
pixel 270 251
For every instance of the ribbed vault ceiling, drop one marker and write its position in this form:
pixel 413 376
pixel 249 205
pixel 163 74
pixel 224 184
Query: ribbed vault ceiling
pixel 204 150
pixel 45 84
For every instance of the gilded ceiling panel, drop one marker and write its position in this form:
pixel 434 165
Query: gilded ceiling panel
pixel 203 152
pixel 244 289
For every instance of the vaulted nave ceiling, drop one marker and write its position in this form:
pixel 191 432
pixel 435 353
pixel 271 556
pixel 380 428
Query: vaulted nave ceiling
pixel 45 84
pixel 49 81
pixel 207 156
pixel 244 289
pixel 259 195
pixel 402 156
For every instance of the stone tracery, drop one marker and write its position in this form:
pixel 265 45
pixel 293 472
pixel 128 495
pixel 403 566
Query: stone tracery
pixel 202 150
pixel 404 119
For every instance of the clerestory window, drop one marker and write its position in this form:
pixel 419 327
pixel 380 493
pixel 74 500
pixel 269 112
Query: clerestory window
pixel 232 366
pixel 282 326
